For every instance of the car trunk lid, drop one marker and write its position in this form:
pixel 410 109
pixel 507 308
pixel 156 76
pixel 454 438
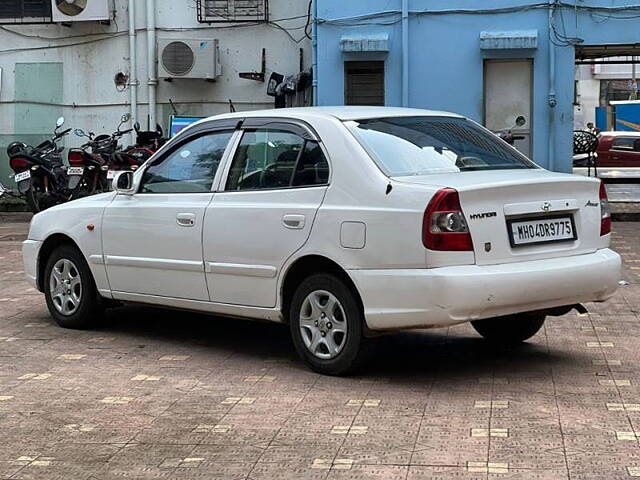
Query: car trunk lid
pixel 510 212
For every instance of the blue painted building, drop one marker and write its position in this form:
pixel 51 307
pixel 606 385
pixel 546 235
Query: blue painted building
pixel 490 61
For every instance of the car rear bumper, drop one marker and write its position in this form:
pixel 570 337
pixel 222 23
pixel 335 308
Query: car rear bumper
pixel 30 251
pixel 425 298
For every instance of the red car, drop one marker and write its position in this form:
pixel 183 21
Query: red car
pixel 619 149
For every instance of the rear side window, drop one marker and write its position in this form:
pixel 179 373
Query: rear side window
pixel 627 144
pixel 403 146
pixel 190 168
pixel 269 159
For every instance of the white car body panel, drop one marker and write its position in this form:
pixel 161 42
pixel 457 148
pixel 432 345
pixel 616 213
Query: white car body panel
pixel 250 235
pixel 146 250
pixel 365 222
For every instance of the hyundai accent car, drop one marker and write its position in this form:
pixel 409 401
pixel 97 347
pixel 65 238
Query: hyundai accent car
pixel 344 223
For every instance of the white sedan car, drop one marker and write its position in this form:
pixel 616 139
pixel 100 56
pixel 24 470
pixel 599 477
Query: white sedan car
pixel 343 222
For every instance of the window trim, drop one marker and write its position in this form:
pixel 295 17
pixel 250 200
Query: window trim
pixel 191 136
pixel 282 124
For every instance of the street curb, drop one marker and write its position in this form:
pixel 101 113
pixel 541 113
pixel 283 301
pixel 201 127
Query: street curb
pixel 15 217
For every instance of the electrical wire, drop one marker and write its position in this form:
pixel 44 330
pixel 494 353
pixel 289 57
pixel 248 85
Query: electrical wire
pixel 306 27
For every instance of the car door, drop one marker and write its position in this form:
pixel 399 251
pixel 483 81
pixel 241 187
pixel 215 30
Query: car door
pixel 152 240
pixel 625 152
pixel 263 212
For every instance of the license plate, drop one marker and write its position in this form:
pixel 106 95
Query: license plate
pixel 111 174
pixel 19 177
pixel 75 170
pixel 533 231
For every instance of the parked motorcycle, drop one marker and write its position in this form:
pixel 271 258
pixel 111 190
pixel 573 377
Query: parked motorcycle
pixel 39 172
pixel 86 172
pixel 104 159
pixel 147 143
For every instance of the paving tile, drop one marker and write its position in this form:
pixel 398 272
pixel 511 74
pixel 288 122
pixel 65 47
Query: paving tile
pixel 146 397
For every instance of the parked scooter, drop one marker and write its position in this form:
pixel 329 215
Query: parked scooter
pixel 508 136
pixel 39 173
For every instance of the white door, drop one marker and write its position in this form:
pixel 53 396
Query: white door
pixel 152 240
pixel 262 215
pixel 507 94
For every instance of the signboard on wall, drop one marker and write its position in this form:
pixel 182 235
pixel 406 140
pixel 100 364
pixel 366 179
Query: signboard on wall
pixel 177 124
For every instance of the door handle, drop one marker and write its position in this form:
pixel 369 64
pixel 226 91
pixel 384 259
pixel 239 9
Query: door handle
pixel 186 219
pixel 294 222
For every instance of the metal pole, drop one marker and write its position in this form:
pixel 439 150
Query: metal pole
pixel 405 53
pixel 152 67
pixel 314 41
pixel 133 66
pixel 634 88
pixel 552 100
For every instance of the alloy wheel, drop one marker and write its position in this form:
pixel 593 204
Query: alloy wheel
pixel 323 324
pixel 65 287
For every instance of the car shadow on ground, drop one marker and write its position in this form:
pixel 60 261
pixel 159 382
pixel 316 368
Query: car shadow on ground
pixel 429 353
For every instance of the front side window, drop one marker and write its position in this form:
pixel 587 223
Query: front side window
pixel 190 168
pixel 403 146
pixel 269 159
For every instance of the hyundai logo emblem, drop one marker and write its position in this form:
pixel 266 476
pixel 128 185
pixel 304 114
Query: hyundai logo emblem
pixel 546 206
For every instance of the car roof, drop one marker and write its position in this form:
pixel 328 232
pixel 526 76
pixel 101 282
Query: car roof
pixel 340 112
pixel 619 133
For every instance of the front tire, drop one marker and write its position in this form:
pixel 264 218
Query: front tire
pixel 327 325
pixel 69 289
pixel 510 329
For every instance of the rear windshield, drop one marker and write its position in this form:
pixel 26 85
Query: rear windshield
pixel 403 146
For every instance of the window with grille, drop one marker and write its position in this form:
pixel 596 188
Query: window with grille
pixel 25 11
pixel 364 83
pixel 217 11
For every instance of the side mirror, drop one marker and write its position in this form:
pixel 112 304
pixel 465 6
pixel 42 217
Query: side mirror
pixel 60 122
pixel 125 118
pixel 123 183
pixel 520 120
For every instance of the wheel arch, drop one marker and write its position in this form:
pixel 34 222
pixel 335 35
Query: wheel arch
pixel 306 266
pixel 48 246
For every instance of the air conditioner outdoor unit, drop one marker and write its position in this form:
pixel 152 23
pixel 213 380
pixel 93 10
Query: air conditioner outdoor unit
pixel 65 11
pixel 188 58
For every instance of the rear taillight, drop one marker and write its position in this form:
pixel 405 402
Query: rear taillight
pixel 19 164
pixel 605 213
pixel 75 158
pixel 444 226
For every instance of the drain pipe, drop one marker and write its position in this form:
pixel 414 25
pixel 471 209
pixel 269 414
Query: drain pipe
pixel 314 46
pixel 552 99
pixel 152 66
pixel 133 67
pixel 405 53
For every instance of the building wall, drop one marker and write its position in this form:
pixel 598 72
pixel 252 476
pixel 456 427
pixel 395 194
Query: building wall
pixel 79 79
pixel 446 62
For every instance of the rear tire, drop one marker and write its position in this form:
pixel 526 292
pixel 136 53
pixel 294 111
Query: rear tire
pixel 327 326
pixel 510 329
pixel 72 298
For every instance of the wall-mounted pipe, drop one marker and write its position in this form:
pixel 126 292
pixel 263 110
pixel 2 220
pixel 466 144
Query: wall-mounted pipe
pixel 133 67
pixel 552 99
pixel 152 67
pixel 405 53
pixel 314 46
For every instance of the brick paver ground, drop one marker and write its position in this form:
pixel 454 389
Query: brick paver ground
pixel 172 395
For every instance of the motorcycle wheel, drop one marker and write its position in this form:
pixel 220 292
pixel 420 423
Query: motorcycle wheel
pixel 38 201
